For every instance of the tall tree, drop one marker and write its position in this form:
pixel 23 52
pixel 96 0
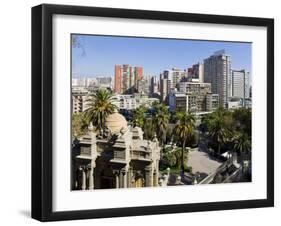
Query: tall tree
pixel 139 117
pixel 148 130
pixel 184 129
pixel 220 128
pixel 243 120
pixel 100 106
pixel 242 144
pixel 161 121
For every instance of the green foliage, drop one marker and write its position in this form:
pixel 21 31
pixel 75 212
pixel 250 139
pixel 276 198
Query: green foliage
pixel 100 106
pixel 188 169
pixel 242 143
pixel 206 122
pixel 148 130
pixel 229 128
pixel 79 125
pixel 243 120
pixel 193 140
pixel 139 116
pixel 161 121
pixel 220 128
pixel 173 159
pixel 170 159
pixel 170 133
pixel 184 129
pixel 147 124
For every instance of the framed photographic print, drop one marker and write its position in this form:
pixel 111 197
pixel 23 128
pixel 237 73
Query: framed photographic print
pixel 145 112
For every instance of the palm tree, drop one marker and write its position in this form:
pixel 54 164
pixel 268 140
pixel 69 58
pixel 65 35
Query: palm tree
pixel 243 119
pixel 139 117
pixel 220 128
pixel 161 121
pixel 206 122
pixel 100 106
pixel 148 129
pixel 184 129
pixel 242 144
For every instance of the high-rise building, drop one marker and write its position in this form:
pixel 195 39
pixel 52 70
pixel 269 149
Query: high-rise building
pixel 153 85
pixel 79 82
pixel 133 101
pixel 169 80
pixel 143 86
pixel 217 72
pixel 198 91
pixel 79 99
pixel 165 86
pixel 175 76
pixel 180 101
pixel 126 78
pixel 92 81
pixel 138 73
pixel 196 72
pixel 190 102
pixel 118 79
pixel 195 87
pixel 240 84
pixel 212 102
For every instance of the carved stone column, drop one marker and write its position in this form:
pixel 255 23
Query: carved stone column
pixel 155 179
pixel 83 179
pixel 116 180
pixel 148 177
pixel 124 179
pixel 91 178
pixel 129 178
pixel 75 177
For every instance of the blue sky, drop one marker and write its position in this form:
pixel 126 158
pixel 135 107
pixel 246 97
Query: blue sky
pixel 98 54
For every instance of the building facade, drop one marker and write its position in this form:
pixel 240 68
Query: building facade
pixel 79 82
pixel 79 99
pixel 240 84
pixel 131 102
pixel 127 102
pixel 126 77
pixel 119 158
pixel 212 102
pixel 143 86
pixel 118 79
pixel 165 87
pixel 196 72
pixel 175 75
pixel 153 85
pixel 198 91
pixel 180 101
pixel 193 97
pixel 234 103
pixel 217 72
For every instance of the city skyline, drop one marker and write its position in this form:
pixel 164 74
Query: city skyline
pixel 98 55
pixel 135 133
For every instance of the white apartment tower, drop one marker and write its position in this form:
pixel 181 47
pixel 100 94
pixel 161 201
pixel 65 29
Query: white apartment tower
pixel 165 86
pixel 240 84
pixel 175 75
pixel 217 72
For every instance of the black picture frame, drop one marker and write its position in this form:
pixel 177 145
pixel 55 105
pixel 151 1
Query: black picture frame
pixel 42 111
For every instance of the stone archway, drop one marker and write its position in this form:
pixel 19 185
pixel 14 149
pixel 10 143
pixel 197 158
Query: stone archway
pixel 107 179
pixel 138 180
